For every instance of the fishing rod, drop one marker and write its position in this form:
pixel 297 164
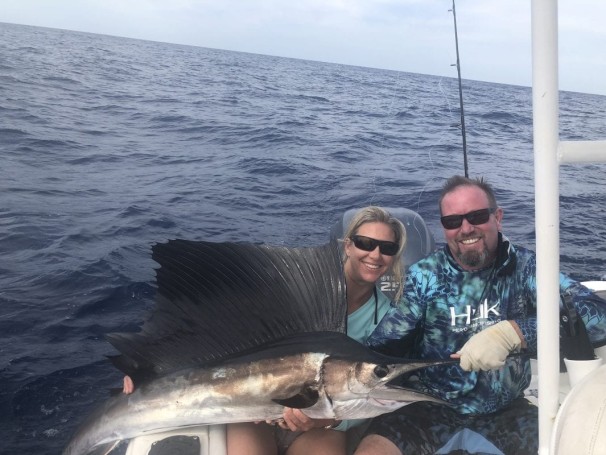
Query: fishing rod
pixel 458 65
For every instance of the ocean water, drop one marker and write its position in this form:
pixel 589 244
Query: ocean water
pixel 109 145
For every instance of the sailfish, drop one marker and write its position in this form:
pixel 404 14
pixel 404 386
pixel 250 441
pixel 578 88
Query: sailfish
pixel 237 332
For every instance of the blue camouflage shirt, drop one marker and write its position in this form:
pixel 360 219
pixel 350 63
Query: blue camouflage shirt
pixel 444 305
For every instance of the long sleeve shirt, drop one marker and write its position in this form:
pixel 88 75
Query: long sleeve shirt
pixel 444 305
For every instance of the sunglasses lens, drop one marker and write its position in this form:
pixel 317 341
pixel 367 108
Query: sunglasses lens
pixel 388 248
pixel 478 217
pixel 452 221
pixel 364 243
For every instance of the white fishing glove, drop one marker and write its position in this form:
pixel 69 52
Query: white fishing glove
pixel 488 349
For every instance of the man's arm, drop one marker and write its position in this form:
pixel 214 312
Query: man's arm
pixel 394 336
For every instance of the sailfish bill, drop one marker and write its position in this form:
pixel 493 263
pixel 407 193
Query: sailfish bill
pixel 238 332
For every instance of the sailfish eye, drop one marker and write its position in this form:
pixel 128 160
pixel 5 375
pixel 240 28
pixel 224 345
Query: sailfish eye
pixel 381 371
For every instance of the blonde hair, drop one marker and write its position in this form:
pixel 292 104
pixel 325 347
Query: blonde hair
pixel 373 214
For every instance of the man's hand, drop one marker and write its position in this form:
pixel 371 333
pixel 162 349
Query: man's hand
pixel 488 349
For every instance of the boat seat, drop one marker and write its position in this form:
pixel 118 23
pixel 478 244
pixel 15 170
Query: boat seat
pixel 580 425
pixel 203 440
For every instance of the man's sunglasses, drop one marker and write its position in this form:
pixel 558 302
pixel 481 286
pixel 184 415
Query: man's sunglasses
pixel 369 244
pixel 476 217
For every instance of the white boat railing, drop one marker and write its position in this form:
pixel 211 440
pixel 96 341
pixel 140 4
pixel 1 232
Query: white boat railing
pixel 549 153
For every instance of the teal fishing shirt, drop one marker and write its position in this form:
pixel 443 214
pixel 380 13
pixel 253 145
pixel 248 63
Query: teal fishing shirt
pixel 444 305
pixel 360 324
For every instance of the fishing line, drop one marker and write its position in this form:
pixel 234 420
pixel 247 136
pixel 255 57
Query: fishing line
pixel 460 125
pixel 389 114
pixel 443 139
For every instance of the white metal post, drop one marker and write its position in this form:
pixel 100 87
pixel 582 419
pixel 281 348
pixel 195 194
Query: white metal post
pixel 546 167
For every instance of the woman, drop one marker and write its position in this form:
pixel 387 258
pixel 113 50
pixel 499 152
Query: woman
pixel 372 246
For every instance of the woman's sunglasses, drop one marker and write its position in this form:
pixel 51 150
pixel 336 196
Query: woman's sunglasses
pixel 369 244
pixel 476 217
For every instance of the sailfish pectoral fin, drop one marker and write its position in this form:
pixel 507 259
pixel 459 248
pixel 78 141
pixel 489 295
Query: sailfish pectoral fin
pixel 306 398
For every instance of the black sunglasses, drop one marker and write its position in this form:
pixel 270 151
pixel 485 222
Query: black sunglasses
pixel 369 244
pixel 476 217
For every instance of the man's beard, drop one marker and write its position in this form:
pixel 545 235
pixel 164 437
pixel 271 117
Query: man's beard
pixel 473 259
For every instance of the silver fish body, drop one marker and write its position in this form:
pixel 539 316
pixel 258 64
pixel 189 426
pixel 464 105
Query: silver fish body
pixel 324 385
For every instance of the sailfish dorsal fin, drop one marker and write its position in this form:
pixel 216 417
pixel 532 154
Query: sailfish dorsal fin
pixel 218 300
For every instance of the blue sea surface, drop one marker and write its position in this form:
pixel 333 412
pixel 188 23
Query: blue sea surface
pixel 109 145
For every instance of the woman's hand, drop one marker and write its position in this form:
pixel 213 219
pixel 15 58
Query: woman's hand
pixel 296 420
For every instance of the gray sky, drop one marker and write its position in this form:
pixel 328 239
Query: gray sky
pixel 408 35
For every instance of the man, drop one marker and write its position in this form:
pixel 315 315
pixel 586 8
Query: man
pixel 474 300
